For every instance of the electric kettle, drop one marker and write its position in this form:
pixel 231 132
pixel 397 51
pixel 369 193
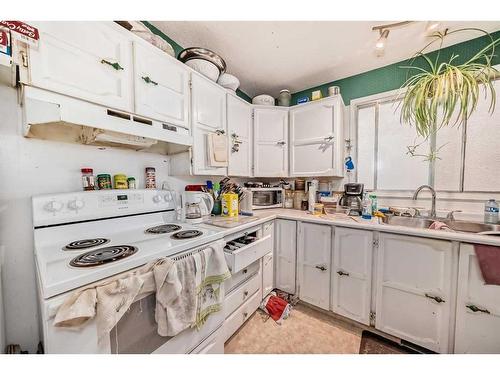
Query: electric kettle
pixel 194 200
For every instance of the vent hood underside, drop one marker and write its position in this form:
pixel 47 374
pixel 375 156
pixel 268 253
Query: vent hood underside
pixel 52 116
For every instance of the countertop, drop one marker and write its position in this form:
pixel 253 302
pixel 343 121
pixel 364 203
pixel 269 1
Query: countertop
pixel 359 223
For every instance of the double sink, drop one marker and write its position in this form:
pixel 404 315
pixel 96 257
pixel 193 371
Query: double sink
pixel 456 225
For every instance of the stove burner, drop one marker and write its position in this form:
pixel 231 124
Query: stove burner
pixel 186 234
pixel 85 244
pixel 103 255
pixel 165 228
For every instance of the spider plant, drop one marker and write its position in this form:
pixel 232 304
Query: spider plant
pixel 440 93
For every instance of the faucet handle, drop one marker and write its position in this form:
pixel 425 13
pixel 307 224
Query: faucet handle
pixel 451 214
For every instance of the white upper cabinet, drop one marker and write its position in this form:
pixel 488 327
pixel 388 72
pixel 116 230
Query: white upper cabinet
pixel 239 129
pixel 478 308
pixel 313 263
pixel 352 273
pixel 271 142
pixel 316 143
pixel 208 111
pixel 161 86
pixel 414 290
pixel 85 60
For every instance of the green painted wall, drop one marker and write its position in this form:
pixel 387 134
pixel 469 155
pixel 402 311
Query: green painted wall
pixel 392 76
pixel 177 48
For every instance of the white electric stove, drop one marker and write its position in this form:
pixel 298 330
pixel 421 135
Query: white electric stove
pixel 84 237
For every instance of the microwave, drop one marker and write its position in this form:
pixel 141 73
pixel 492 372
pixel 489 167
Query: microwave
pixel 268 197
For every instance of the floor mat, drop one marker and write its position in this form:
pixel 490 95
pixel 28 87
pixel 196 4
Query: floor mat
pixel 372 343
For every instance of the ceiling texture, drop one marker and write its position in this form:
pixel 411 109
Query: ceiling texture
pixel 268 56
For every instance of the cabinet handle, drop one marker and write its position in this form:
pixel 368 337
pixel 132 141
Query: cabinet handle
pixel 435 298
pixel 220 132
pixel 245 315
pixel 245 293
pixel 149 80
pixel 322 268
pixel 329 138
pixel 474 308
pixel 342 273
pixel 245 271
pixel 115 65
pixel 281 143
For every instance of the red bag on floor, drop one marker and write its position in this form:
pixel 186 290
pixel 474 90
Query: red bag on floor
pixel 276 307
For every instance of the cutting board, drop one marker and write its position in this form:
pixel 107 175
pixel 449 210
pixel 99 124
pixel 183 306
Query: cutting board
pixel 231 222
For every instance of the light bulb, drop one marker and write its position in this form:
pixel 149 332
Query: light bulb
pixel 433 26
pixel 381 42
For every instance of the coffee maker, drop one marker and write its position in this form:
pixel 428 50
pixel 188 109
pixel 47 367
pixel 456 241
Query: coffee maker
pixel 352 198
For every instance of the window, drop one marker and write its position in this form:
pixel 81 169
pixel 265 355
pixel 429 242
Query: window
pixel 468 156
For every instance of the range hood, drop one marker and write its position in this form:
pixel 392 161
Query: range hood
pixel 49 115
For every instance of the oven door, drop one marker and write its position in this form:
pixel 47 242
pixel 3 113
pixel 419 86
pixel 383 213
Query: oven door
pixel 135 333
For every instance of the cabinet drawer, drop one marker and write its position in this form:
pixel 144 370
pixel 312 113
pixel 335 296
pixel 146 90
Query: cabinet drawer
pixel 212 345
pixel 239 277
pixel 241 294
pixel 242 257
pixel 240 316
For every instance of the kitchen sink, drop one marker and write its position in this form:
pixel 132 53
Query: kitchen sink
pixel 456 225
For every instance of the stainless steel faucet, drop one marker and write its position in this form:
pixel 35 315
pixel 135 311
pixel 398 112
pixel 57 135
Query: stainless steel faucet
pixel 433 192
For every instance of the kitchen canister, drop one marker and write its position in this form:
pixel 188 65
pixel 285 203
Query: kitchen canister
pixel 284 98
pixel 333 90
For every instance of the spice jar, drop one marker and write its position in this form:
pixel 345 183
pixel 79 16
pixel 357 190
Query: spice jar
pixel 150 178
pixel 120 181
pixel 88 180
pixel 104 181
pixel 131 183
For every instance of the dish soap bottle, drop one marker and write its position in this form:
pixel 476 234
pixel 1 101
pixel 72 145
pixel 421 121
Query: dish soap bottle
pixel 491 212
pixel 366 204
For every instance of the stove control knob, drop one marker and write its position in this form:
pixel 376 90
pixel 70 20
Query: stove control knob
pixel 168 196
pixel 76 204
pixel 54 206
pixel 157 199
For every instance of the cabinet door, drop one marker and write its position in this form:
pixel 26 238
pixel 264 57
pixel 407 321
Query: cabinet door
pixel 270 142
pixel 161 86
pixel 285 255
pixel 239 129
pixel 209 115
pixel 352 273
pixel 476 331
pixel 316 144
pixel 313 263
pixel 74 58
pixel 414 290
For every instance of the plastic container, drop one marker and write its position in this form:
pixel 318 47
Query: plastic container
pixel 131 183
pixel 120 181
pixel 284 98
pixel 318 209
pixel 289 196
pixel 373 198
pixel 491 212
pixel 366 204
pixel 104 181
pixel 88 180
pixel 150 178
pixel 298 195
pixel 229 204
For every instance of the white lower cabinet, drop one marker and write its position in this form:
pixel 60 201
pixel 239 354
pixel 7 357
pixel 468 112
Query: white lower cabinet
pixel 478 308
pixel 285 255
pixel 351 273
pixel 313 263
pixel 414 290
pixel 213 344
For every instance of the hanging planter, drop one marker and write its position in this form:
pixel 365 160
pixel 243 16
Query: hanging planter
pixel 444 93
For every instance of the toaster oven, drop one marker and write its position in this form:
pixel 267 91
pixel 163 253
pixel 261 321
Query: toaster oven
pixel 269 197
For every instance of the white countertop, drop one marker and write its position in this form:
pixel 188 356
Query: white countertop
pixel 359 223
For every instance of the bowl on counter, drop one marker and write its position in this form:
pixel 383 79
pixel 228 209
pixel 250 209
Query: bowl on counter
pixel 229 81
pixel 263 100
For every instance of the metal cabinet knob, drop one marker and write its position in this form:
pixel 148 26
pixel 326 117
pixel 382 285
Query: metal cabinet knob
pixel 322 268
pixel 342 273
pixel 474 308
pixel 245 293
pixel 115 65
pixel 435 298
pixel 281 143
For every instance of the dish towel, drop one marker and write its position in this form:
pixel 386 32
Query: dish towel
pixel 175 296
pixel 488 258
pixel 211 273
pixel 217 150
pixel 439 225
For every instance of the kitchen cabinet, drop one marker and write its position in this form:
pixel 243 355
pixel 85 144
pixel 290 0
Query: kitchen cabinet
pixel 85 60
pixel 414 289
pixel 268 262
pixel 239 129
pixel 478 308
pixel 313 263
pixel 316 141
pixel 285 255
pixel 270 142
pixel 352 273
pixel 161 86
pixel 208 111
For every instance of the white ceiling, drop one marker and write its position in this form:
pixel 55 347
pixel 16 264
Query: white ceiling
pixel 268 56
